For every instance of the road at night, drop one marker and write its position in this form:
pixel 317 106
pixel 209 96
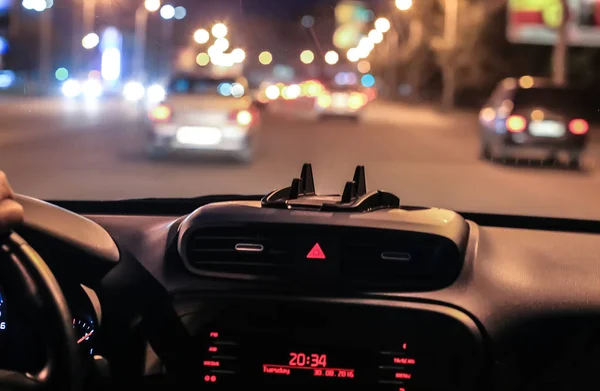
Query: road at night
pixel 55 151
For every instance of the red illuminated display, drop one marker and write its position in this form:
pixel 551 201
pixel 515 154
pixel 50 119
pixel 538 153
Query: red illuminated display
pixel 314 364
pixel 308 359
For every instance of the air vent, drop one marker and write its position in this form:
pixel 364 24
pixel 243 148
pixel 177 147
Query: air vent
pixel 380 258
pixel 248 250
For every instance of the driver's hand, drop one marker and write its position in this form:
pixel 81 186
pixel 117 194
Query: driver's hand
pixel 11 212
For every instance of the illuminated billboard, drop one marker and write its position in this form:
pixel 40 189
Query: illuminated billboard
pixel 535 21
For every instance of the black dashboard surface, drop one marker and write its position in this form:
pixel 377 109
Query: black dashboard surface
pixel 533 294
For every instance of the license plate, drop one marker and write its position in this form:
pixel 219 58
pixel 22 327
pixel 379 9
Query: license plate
pixel 339 100
pixel 546 129
pixel 198 135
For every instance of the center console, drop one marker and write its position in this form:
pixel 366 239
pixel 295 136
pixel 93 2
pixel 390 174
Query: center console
pixel 335 344
pixel 327 257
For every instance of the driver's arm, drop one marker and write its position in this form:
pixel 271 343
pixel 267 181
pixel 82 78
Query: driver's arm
pixel 11 212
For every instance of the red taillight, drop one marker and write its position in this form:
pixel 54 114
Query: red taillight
pixel 160 113
pixel 516 123
pixel 578 126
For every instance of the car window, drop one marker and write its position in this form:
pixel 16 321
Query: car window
pixel 200 86
pixel 563 100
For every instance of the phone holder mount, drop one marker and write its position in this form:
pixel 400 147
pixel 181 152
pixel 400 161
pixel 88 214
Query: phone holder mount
pixel 301 195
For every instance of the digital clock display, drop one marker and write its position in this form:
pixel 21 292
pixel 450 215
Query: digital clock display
pixel 309 365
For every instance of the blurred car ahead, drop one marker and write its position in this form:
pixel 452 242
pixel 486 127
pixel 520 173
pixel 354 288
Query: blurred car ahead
pixel 204 114
pixel 340 102
pixel 530 118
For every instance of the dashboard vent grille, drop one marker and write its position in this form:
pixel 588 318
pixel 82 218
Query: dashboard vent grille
pixel 387 258
pixel 256 250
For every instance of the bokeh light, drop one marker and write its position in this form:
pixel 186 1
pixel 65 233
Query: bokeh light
pixel 201 36
pixel 202 59
pixel 526 82
pixel 71 88
pixel 331 57
pixel 237 90
pixel 152 5
pixel 224 89
pixel 307 21
pixel 382 25
pixel 167 12
pixel 221 44
pixel 272 92
pixel 367 80
pixel 61 74
pixel 307 56
pixel 133 91
pixel 353 55
pixel 90 41
pixel 364 66
pixel 403 5
pixel 180 12
pixel 375 36
pixel 265 58
pixel 219 30
pixel 238 55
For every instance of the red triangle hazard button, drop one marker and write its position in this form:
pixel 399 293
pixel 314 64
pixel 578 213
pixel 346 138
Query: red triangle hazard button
pixel 316 252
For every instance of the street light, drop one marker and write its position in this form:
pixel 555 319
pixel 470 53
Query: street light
pixel 219 30
pixel 403 5
pixel 201 36
pixel 152 5
pixel 307 56
pixel 382 25
pixel 331 57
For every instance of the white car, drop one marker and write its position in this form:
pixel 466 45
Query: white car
pixel 203 114
pixel 340 102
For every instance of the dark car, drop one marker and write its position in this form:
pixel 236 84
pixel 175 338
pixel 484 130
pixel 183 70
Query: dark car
pixel 531 118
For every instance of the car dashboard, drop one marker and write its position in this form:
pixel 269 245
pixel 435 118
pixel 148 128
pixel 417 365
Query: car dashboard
pixel 231 291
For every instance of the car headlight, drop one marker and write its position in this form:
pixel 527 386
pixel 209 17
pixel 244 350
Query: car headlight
pixel 133 91
pixel 71 88
pixel 92 89
pixel 156 93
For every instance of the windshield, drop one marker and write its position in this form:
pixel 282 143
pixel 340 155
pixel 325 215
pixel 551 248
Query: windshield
pixel 119 100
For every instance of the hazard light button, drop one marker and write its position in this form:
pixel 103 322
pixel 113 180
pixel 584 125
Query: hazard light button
pixel 316 252
pixel 317 255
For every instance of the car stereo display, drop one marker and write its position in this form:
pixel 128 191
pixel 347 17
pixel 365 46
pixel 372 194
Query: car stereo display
pixel 307 364
pixel 229 361
pixel 278 346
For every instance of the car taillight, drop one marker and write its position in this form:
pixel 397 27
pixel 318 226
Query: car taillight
pixel 244 117
pixel 516 123
pixel 160 113
pixel 578 126
pixel 357 100
pixel 324 100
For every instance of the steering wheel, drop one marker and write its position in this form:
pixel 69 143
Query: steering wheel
pixel 33 288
